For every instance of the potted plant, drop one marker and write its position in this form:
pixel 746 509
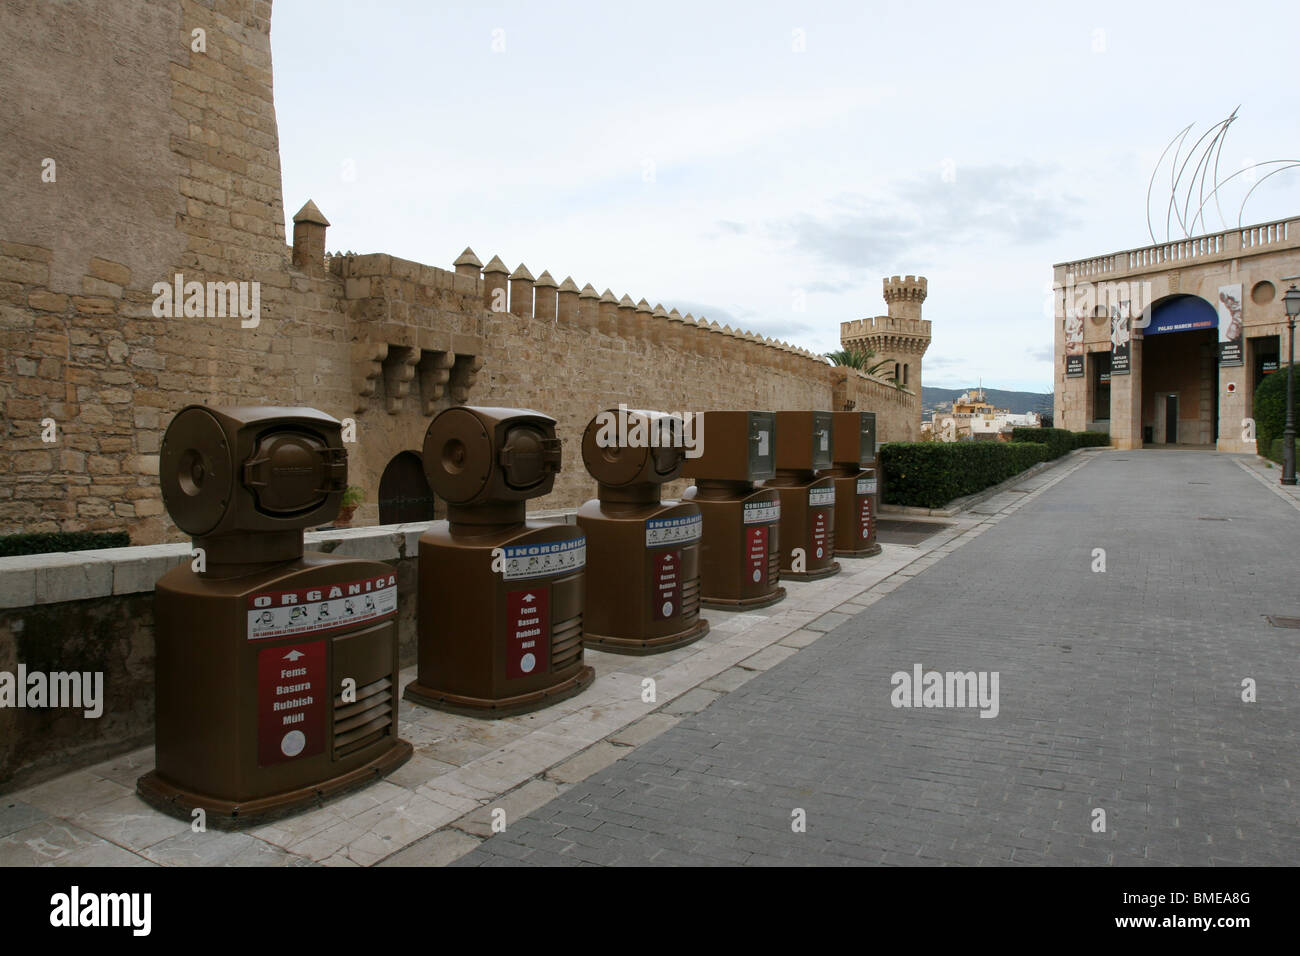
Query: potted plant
pixel 352 498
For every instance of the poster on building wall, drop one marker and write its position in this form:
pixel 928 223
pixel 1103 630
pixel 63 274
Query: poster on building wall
pixel 1230 325
pixel 1074 345
pixel 1121 338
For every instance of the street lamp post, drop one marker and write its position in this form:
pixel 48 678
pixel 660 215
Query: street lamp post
pixel 1292 302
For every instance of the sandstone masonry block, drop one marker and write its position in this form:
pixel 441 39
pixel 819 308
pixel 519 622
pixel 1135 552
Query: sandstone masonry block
pixel 47 301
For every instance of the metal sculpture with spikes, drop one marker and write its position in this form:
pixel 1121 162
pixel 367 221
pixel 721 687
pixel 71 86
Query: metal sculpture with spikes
pixel 1206 157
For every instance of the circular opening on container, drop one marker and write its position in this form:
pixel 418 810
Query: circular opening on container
pixel 191 472
pixel 453 456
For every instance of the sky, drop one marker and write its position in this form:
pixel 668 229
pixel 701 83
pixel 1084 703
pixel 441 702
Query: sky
pixel 767 164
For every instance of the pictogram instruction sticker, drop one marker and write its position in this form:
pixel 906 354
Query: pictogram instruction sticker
pixel 528 632
pixel 762 512
pixel 679 530
pixel 864 517
pixel 866 486
pixel 548 557
pixel 821 497
pixel 323 607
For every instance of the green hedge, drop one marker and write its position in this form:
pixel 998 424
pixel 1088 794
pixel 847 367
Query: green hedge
pixel 1270 412
pixel 1058 440
pixel 15 544
pixel 931 474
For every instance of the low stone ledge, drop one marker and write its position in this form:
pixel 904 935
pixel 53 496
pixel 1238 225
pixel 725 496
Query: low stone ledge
pixel 58 577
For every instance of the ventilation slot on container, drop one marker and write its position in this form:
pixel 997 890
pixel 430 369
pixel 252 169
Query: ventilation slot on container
pixel 367 719
pixel 691 597
pixel 773 567
pixel 566 643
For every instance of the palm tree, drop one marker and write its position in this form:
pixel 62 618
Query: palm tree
pixel 860 359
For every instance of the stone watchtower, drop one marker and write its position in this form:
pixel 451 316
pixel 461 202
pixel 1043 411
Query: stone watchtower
pixel 901 337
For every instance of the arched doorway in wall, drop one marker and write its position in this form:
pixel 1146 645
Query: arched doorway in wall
pixel 404 494
pixel 1180 373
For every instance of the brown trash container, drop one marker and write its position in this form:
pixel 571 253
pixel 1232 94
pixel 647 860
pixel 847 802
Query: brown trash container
pixel 803 446
pixel 276 668
pixel 740 553
pixel 857 498
pixel 500 598
pixel 643 573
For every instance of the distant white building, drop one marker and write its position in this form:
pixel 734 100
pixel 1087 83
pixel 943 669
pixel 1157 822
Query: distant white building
pixel 973 418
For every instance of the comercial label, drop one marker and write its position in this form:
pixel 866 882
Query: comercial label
pixel 291 697
pixel 821 497
pixel 538 560
pixel 762 512
pixel 864 517
pixel 820 526
pixel 756 554
pixel 528 632
pixel 666 585
pixel 323 607
pixel 679 530
pixel 866 486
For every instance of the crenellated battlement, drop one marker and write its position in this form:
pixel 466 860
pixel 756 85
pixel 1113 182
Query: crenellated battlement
pixel 525 297
pixel 899 288
pixel 882 325
pixel 904 295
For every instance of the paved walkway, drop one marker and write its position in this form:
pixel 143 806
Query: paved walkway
pixel 1118 692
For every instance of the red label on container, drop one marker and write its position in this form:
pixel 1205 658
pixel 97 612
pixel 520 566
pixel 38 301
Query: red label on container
pixel 864 516
pixel 820 522
pixel 666 585
pixel 291 697
pixel 528 632
pixel 756 554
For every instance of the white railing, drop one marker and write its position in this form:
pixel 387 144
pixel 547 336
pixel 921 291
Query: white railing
pixel 1186 250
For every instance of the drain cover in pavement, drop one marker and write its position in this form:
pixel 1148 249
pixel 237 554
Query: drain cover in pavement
pixel 1283 621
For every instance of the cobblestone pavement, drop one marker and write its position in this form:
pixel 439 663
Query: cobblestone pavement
pixel 1119 691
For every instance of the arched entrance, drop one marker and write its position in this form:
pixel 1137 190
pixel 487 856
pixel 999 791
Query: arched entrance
pixel 404 494
pixel 1180 373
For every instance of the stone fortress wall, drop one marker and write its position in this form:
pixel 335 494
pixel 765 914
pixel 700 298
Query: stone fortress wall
pixel 141 157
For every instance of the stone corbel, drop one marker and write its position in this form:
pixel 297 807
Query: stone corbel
pixel 463 376
pixel 399 371
pixel 435 373
pixel 367 365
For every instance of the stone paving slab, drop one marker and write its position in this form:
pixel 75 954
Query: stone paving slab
pixel 1120 691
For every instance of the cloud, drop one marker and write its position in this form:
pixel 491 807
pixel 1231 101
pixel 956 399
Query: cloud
pixel 1004 204
pixel 750 320
pixel 713 313
pixel 1043 354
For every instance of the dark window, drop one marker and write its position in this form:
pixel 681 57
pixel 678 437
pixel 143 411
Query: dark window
pixel 1100 362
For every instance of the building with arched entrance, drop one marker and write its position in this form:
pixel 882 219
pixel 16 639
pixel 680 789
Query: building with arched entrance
pixel 1164 345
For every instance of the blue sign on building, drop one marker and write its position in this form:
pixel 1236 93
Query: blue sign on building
pixel 1182 314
